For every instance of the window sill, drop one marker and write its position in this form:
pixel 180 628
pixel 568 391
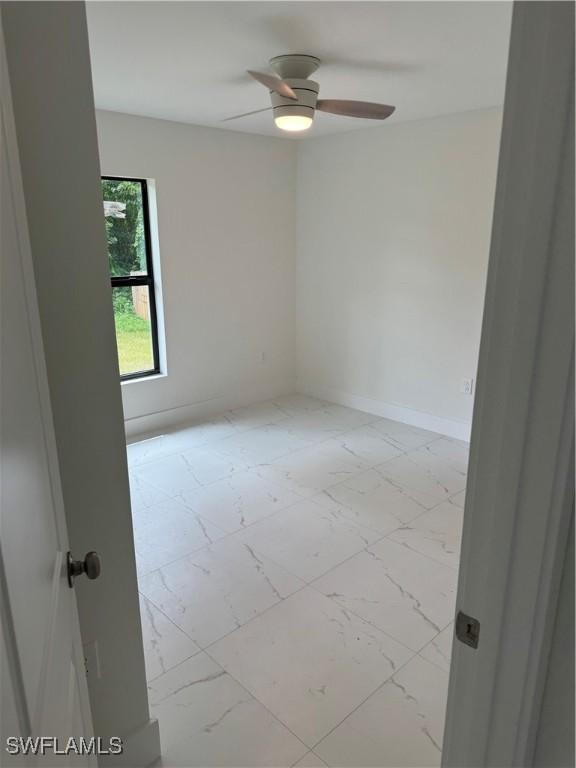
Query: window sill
pixel 143 379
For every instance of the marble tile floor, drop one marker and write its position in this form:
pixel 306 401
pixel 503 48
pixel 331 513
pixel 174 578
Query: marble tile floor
pixel 297 566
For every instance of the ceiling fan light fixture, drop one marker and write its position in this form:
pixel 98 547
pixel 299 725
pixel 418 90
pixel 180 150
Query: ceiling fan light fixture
pixel 295 116
pixel 295 98
pixel 293 123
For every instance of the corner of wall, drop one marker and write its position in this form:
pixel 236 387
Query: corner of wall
pixel 449 427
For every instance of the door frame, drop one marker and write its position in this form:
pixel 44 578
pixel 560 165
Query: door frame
pixel 520 494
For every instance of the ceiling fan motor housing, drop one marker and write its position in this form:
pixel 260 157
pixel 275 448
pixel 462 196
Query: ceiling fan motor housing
pixel 307 92
pixel 300 65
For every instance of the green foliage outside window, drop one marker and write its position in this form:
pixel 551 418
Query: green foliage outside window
pixel 126 247
pixel 124 217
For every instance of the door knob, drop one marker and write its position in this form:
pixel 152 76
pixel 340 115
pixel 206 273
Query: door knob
pixel 90 566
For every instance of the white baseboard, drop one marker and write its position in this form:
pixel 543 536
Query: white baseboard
pixel 448 427
pixel 138 427
pixel 141 749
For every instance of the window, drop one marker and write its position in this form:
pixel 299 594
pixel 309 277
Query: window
pixel 132 276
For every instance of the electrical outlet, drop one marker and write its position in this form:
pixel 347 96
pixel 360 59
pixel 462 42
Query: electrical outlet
pixel 92 660
pixel 467 386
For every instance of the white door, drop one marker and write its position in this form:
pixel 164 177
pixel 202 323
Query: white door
pixel 43 682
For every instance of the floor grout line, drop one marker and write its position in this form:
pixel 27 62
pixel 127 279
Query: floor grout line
pixel 206 650
pixel 302 497
pixel 311 748
pixel 430 643
pixel 248 691
pixel 239 431
pixel 333 435
pixel 305 583
pixel 287 570
pixel 373 693
pixel 207 421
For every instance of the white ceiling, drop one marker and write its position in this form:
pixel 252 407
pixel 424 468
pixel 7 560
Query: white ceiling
pixel 186 61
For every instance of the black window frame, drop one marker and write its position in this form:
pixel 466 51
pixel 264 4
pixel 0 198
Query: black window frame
pixel 130 281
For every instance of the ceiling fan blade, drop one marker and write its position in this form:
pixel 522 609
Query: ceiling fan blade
pixel 246 114
pixel 274 84
pixel 367 109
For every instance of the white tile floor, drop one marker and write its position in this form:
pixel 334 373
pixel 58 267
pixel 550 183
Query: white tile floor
pixel 297 563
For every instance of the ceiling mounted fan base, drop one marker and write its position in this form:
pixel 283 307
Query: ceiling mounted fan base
pixel 295 65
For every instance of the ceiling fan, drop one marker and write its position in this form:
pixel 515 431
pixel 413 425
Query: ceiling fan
pixel 295 97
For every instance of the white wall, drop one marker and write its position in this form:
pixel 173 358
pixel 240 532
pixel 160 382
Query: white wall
pixel 389 229
pixel 392 249
pixel 226 217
